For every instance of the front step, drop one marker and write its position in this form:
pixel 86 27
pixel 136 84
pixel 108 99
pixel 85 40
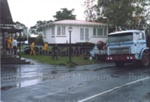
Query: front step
pixel 13 60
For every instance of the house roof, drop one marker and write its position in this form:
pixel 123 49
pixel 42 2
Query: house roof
pixel 5 15
pixel 11 30
pixel 6 21
pixel 72 23
pixel 77 22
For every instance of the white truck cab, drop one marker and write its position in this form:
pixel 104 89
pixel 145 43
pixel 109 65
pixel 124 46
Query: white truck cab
pixel 127 46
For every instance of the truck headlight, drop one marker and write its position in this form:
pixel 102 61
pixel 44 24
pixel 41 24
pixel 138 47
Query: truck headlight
pixel 110 58
pixel 107 58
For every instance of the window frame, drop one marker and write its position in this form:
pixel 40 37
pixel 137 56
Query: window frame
pixel 81 33
pixel 63 28
pixel 58 30
pixel 94 31
pixel 86 35
pixel 100 32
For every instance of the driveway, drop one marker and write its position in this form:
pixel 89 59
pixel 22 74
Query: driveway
pixel 101 82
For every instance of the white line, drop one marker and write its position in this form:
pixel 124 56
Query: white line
pixel 130 83
pixel 48 94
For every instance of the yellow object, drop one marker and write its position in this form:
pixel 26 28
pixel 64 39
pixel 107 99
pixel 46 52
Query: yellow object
pixel 32 49
pixel 12 39
pixel 9 42
pixel 45 48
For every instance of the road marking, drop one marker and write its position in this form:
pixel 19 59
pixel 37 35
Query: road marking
pixel 63 90
pixel 48 94
pixel 110 90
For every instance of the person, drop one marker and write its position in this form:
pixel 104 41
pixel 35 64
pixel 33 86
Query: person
pixel 40 51
pixel 55 52
pixel 15 46
pixel 32 51
pixel 45 48
pixel 9 44
pixel 7 49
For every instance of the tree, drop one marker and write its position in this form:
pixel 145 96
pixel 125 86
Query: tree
pixel 39 23
pixel 39 40
pixel 64 14
pixel 90 9
pixel 121 12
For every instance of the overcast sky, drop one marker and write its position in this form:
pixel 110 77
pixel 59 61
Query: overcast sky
pixel 29 12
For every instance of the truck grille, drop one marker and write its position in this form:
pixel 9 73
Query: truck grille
pixel 125 50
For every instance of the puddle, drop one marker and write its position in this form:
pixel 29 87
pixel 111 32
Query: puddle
pixel 116 76
pixel 4 88
pixel 28 83
pixel 148 72
pixel 21 84
pixel 54 72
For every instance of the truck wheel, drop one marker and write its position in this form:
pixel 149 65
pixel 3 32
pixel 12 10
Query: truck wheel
pixel 145 60
pixel 119 64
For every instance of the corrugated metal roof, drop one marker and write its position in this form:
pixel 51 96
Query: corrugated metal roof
pixel 77 22
pixel 5 15
pixel 73 23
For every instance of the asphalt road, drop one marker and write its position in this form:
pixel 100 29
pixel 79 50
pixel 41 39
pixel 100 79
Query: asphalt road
pixel 101 82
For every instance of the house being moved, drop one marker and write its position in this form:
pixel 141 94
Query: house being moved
pixel 82 31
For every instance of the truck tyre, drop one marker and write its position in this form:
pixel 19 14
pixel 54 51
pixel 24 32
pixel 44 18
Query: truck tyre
pixel 119 64
pixel 145 60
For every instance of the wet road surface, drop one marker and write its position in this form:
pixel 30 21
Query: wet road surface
pixel 101 82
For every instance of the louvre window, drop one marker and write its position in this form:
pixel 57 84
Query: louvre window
pixel 81 34
pixel 86 34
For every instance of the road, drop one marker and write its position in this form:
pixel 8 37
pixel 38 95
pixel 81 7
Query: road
pixel 101 82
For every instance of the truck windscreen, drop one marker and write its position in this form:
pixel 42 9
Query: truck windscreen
pixel 120 37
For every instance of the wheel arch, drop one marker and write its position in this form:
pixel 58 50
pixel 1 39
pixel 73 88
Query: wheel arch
pixel 146 50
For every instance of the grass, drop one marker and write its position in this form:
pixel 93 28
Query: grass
pixel 62 60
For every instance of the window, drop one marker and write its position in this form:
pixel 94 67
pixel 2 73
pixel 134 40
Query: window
pixel 136 36
pixel 94 31
pixel 81 34
pixel 105 31
pixel 63 30
pixel 143 37
pixel 100 32
pixel 58 30
pixel 121 37
pixel 53 31
pixel 86 34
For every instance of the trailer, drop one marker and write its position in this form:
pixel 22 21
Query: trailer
pixel 130 46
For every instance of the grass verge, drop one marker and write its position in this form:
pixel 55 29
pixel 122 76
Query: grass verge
pixel 62 60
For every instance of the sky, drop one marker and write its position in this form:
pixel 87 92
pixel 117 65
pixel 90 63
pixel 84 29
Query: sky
pixel 29 12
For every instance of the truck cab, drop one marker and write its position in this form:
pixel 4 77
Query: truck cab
pixel 127 46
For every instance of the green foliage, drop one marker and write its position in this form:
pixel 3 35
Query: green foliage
pixel 39 40
pixel 64 14
pixel 90 10
pixel 121 12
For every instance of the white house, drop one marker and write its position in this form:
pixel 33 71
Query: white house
pixel 82 31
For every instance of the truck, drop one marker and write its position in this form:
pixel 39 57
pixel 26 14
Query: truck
pixel 129 46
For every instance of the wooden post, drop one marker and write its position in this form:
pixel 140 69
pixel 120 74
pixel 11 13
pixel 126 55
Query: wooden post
pixel 19 44
pixel 3 43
